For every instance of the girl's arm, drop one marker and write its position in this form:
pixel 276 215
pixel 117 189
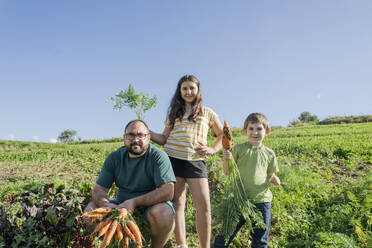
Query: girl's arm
pixel 217 129
pixel 203 149
pixel 158 138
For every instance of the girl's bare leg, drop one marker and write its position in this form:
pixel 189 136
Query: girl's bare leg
pixel 179 202
pixel 200 196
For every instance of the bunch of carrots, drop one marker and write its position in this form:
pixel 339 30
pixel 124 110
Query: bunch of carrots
pixel 115 223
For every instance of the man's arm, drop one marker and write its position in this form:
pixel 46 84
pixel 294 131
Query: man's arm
pixel 100 197
pixel 163 193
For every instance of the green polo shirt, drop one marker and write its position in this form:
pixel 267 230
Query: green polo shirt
pixel 254 164
pixel 135 176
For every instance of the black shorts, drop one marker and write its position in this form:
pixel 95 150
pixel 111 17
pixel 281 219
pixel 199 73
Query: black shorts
pixel 189 168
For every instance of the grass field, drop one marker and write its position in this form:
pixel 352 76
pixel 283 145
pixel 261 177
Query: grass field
pixel 325 199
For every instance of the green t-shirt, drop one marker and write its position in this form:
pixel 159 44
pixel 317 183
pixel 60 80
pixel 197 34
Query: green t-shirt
pixel 135 176
pixel 254 164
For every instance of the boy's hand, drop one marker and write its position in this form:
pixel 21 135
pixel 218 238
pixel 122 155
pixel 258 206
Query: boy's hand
pixel 227 154
pixel 274 180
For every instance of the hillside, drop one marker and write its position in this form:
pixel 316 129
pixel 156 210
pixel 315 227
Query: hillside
pixel 324 200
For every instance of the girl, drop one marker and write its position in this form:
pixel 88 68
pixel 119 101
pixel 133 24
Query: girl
pixel 185 141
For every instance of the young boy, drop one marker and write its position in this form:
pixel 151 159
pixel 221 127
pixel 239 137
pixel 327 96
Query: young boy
pixel 257 165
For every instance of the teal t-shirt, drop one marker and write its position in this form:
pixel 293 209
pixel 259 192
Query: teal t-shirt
pixel 135 176
pixel 254 164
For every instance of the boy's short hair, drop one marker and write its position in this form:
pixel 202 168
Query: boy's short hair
pixel 257 118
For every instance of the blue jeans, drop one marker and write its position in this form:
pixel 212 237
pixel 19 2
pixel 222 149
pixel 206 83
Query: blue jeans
pixel 259 236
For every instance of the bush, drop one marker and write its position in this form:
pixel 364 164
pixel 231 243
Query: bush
pixel 48 217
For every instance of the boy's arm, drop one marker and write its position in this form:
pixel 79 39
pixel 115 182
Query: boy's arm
pixel 273 178
pixel 226 156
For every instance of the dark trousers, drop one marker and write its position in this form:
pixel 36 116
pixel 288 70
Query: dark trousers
pixel 259 236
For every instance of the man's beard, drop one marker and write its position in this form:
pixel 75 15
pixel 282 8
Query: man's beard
pixel 140 151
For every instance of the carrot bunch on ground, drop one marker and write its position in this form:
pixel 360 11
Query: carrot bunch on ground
pixel 114 223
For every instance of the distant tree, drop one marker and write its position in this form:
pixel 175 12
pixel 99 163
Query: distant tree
pixel 307 117
pixel 67 136
pixel 140 102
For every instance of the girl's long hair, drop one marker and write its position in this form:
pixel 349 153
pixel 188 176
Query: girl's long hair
pixel 177 106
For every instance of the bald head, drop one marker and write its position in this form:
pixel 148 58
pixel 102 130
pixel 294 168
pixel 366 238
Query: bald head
pixel 135 122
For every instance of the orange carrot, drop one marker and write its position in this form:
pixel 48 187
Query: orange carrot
pixel 100 225
pixel 123 213
pixel 128 232
pixel 227 137
pixel 109 234
pixel 101 211
pixel 136 232
pixel 119 232
pixel 125 242
pixel 104 228
pixel 95 216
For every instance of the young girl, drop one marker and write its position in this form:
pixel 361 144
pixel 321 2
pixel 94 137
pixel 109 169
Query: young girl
pixel 185 141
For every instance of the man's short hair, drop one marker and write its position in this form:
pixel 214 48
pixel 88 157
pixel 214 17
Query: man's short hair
pixel 133 121
pixel 257 118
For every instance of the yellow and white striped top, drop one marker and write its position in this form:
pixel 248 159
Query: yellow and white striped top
pixel 186 135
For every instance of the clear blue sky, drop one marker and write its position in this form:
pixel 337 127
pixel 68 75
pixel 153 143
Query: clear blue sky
pixel 61 60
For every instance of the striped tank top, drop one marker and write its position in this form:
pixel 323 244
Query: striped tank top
pixel 186 135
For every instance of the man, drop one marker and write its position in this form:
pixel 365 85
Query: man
pixel 145 180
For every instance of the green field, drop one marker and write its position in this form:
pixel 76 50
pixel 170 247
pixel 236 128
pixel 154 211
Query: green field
pixel 325 198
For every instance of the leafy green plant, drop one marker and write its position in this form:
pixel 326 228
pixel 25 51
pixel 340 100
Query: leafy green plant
pixel 48 217
pixel 333 240
pixel 235 204
pixel 139 102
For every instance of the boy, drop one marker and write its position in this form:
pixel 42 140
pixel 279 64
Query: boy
pixel 257 166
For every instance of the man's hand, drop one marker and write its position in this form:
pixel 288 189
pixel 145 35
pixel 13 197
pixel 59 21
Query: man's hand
pixel 110 205
pixel 130 205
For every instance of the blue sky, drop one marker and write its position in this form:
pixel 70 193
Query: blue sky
pixel 61 60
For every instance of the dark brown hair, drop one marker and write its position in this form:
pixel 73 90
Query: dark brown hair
pixel 177 106
pixel 257 118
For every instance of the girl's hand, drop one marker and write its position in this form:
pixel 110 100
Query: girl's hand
pixel 204 150
pixel 227 154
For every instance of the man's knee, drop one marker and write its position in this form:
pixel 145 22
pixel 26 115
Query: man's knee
pixel 160 213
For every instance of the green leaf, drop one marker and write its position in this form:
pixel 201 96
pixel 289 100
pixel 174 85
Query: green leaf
pixel 52 216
